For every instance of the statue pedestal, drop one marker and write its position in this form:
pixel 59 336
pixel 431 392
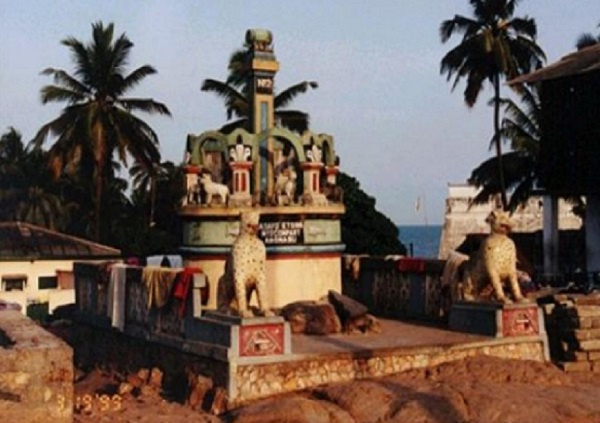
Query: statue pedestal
pixel 498 320
pixel 242 337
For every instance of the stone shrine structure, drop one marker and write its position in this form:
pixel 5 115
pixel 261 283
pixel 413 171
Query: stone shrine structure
pixel 277 172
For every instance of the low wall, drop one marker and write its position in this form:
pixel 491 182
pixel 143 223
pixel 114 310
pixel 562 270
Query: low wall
pixel 36 372
pixel 399 288
pixel 254 381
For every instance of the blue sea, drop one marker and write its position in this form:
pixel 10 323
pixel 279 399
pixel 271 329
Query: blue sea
pixel 423 241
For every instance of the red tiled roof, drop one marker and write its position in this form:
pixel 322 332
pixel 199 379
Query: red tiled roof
pixel 24 241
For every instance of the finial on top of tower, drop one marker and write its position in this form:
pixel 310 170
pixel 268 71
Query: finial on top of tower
pixel 260 39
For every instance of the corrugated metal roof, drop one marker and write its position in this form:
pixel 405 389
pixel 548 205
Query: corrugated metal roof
pixel 24 241
pixel 581 61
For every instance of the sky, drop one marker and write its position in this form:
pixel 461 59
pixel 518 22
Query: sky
pixel 398 127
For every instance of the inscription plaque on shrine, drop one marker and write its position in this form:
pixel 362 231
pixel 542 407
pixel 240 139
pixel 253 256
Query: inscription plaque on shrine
pixel 281 232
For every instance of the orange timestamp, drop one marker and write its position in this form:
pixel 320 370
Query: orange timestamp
pixel 92 402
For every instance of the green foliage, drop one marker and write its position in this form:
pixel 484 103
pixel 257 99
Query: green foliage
pixel 587 40
pixel 520 127
pixel 235 93
pixel 26 191
pixel 97 122
pixel 494 45
pixel 365 230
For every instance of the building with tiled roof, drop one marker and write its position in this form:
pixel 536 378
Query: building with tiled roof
pixel 36 264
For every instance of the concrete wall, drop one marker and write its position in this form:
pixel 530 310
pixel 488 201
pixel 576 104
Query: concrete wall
pixel 289 277
pixel 387 291
pixel 36 373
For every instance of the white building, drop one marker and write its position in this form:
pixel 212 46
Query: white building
pixel 36 264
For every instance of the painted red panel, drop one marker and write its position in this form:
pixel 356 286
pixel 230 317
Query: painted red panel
pixel 259 340
pixel 520 321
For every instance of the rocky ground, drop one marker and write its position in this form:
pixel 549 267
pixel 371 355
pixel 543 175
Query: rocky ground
pixel 475 390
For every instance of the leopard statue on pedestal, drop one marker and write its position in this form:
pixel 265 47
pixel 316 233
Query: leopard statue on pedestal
pixel 494 263
pixel 245 270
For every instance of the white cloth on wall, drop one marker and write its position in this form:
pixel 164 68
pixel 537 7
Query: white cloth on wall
pixel 450 272
pixel 115 303
pixel 174 260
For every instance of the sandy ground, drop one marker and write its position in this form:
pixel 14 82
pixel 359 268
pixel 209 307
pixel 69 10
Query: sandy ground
pixel 476 390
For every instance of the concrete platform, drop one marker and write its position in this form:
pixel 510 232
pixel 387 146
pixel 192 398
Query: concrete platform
pixel 394 335
pixel 400 346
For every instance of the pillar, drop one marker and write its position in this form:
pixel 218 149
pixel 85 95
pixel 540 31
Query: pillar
pixel 550 235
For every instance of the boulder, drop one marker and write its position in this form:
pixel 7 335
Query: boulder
pixel 312 318
pixel 362 324
pixel 346 307
pixel 219 401
pixel 200 386
pixel 156 377
pixel 295 408
pixel 366 401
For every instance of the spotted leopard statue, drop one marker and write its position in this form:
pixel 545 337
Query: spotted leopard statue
pixel 493 264
pixel 245 270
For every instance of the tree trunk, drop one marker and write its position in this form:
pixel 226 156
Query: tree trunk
pixel 498 141
pixel 152 199
pixel 97 201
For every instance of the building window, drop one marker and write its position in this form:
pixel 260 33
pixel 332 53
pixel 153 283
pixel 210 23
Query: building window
pixel 47 282
pixel 14 282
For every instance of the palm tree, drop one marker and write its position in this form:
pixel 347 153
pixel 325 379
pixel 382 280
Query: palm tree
pixel 587 39
pixel 26 193
pixel 144 183
pixel 494 45
pixel 235 92
pixel 98 121
pixel 520 126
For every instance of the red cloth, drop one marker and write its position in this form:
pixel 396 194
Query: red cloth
pixel 182 286
pixel 415 265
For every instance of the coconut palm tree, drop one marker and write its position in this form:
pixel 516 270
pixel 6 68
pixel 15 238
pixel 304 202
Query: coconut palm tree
pixel 587 39
pixel 494 46
pixel 521 127
pixel 235 92
pixel 145 181
pixel 98 119
pixel 26 192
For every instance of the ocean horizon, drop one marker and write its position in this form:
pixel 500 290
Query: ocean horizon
pixel 421 240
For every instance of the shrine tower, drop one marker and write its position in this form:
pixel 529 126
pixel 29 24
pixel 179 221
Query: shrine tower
pixel 289 177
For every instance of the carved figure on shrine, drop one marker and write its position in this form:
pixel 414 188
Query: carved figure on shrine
pixel 213 188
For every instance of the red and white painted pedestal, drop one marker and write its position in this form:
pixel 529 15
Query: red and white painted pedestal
pixel 498 320
pixel 238 337
pixel 521 320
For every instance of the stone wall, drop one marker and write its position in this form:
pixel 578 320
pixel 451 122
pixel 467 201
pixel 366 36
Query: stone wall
pixel 36 372
pixel 573 325
pixel 261 380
